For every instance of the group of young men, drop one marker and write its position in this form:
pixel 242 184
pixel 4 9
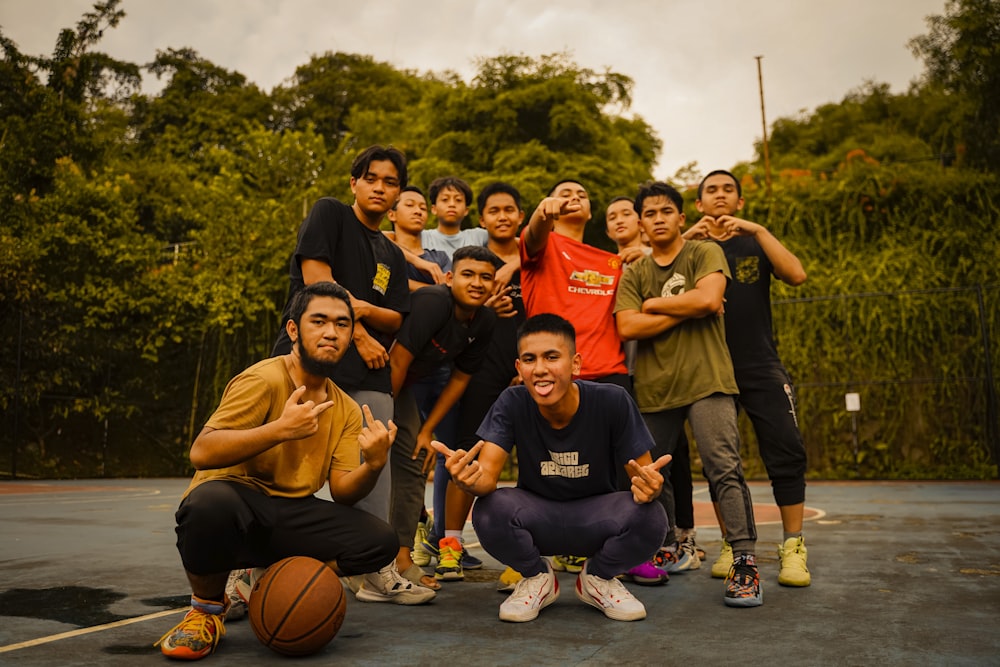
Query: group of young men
pixel 451 347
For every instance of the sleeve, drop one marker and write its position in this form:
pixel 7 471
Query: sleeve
pixel 629 296
pixel 430 313
pixel 711 258
pixel 319 234
pixel 477 236
pixel 632 437
pixel 471 359
pixel 346 455
pixel 498 424
pixel 246 403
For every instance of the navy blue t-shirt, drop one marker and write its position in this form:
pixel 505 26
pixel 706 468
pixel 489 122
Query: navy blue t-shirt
pixel 580 460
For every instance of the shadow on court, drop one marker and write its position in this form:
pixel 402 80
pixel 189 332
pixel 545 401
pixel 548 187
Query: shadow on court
pixel 903 573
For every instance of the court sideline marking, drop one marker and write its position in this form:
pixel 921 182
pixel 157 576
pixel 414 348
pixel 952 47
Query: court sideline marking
pixel 87 631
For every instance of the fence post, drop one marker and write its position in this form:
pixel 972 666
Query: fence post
pixel 991 397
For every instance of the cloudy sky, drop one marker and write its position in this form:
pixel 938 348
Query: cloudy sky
pixel 692 60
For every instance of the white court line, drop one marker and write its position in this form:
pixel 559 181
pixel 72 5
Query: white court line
pixel 37 499
pixel 87 631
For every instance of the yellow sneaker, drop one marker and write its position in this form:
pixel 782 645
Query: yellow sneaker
pixel 722 564
pixel 793 570
pixel 564 563
pixel 198 633
pixel 449 567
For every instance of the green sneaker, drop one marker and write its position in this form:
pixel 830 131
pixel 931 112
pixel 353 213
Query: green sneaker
pixel 449 567
pixel 198 633
pixel 722 564
pixel 572 564
pixel 420 555
pixel 793 570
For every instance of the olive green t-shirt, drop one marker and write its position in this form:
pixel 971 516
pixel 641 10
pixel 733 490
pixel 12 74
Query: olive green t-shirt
pixel 295 468
pixel 690 361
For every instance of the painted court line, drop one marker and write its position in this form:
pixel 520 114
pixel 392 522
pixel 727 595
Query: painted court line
pixel 87 631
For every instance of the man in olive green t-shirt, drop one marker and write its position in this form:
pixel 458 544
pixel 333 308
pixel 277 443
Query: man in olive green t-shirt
pixel 671 301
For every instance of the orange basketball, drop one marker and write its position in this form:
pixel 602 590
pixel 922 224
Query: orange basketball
pixel 298 606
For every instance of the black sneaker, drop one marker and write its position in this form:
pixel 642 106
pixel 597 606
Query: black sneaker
pixel 743 583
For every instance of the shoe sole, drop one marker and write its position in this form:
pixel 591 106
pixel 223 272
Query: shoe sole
pixel 794 583
pixel 449 576
pixel 477 565
pixel 744 602
pixel 364 595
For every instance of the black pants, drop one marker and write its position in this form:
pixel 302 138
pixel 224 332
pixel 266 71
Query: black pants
pixel 222 526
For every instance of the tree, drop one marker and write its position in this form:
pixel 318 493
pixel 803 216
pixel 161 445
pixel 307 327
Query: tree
pixel 962 56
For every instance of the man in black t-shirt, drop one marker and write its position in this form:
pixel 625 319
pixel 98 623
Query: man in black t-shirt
pixel 766 392
pixel 448 326
pixel 570 436
pixel 343 244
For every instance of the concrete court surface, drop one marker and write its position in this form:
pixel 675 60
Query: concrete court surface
pixel 903 573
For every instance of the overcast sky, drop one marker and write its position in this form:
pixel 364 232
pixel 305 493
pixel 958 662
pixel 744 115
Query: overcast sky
pixel 692 60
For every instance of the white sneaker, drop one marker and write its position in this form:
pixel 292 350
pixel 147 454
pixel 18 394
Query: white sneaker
pixel 238 589
pixel 610 596
pixel 388 585
pixel 530 596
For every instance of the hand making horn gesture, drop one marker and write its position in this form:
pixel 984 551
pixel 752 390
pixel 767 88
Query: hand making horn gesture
pixel 301 419
pixel 647 482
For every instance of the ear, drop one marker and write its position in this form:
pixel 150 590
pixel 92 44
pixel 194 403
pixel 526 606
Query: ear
pixel 292 330
pixel 577 364
pixel 697 205
pixel 448 278
pixel 739 204
pixel 517 367
pixel 354 183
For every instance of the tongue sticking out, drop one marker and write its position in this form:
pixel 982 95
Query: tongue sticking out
pixel 544 388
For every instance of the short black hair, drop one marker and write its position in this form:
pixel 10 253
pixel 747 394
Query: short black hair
pixel 439 184
pixel 621 198
pixel 565 180
pixel 739 188
pixel 498 187
pixel 408 188
pixel 477 253
pixel 658 189
pixel 548 323
pixel 304 297
pixel 377 154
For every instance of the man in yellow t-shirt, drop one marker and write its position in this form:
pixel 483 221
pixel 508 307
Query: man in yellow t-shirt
pixel 281 432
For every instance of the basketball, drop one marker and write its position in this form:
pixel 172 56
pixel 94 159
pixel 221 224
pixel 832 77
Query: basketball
pixel 297 606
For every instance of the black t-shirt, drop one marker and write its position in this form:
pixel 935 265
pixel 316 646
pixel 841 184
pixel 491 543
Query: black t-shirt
pixel 579 460
pixel 366 264
pixel 434 337
pixel 748 304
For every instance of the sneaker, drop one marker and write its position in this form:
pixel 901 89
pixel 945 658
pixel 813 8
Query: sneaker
pixel 793 570
pixel 650 573
pixel 388 585
pixel 420 556
pixel 572 564
pixel 724 563
pixel 743 583
pixel 689 547
pixel 508 580
pixel 674 560
pixel 238 588
pixel 530 596
pixel 470 562
pixel 449 567
pixel 427 549
pixel 198 633
pixel 610 596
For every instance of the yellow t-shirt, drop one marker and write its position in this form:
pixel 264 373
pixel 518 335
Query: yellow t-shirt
pixel 295 468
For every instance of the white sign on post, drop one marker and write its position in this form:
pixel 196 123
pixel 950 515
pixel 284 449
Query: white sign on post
pixel 853 402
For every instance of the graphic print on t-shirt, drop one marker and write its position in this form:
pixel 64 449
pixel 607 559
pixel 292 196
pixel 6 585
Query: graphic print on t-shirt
pixel 564 464
pixel 381 280
pixel 674 285
pixel 747 269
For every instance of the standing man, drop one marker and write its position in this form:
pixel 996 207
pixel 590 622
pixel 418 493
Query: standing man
pixel 343 244
pixel 670 301
pixel 282 431
pixel 766 391
pixel 571 436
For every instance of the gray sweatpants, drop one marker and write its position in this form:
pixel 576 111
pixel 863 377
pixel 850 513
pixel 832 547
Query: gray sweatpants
pixel 713 422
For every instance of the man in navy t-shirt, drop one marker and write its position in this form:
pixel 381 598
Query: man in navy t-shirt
pixel 571 436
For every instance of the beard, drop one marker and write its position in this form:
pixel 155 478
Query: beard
pixel 314 365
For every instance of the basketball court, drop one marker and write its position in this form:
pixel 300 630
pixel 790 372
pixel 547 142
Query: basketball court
pixel 903 572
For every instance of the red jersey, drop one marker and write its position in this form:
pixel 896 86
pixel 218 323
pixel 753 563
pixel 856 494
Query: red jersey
pixel 578 282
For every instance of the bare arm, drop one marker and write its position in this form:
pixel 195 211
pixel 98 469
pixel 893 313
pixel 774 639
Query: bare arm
pixel 787 266
pixel 374 442
pixel 706 298
pixel 541 223
pixel 380 319
pixel 633 325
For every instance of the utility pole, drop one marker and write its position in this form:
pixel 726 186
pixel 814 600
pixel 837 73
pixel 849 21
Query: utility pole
pixel 763 120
